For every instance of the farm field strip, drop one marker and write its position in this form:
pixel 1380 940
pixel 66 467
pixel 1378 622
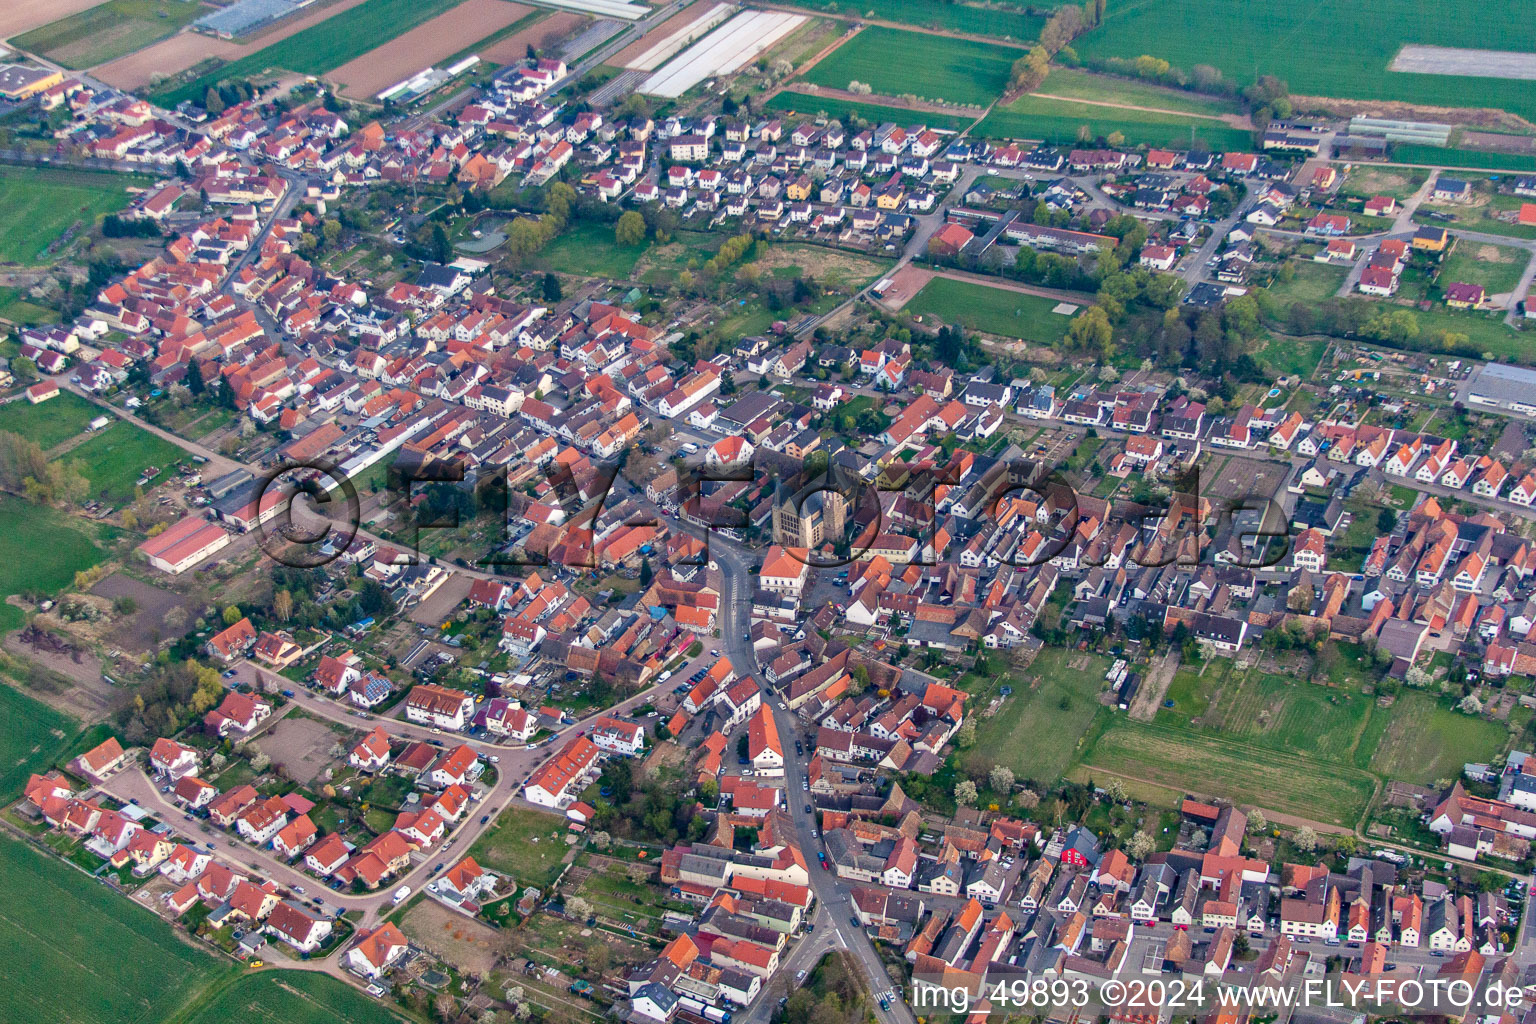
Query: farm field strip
pixel 697 24
pixel 108 31
pixel 425 45
pixel 723 51
pixel 996 22
pixel 790 101
pixel 1060 121
pixel 603 8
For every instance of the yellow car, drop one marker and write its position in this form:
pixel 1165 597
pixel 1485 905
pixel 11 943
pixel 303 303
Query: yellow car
pixel 258 963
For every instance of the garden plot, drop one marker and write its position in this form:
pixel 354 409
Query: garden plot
pixel 727 49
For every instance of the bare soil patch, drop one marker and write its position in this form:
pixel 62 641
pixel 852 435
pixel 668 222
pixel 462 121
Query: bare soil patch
pixel 143 628
pixel 21 16
pixel 541 36
pixel 435 609
pixel 74 687
pixel 468 944
pixel 1478 117
pixel 1499 142
pixel 424 45
pixel 906 283
pixel 301 745
pixel 180 52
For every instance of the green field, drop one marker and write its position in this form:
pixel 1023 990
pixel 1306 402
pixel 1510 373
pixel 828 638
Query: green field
pixel 292 997
pixel 1061 121
pixel 114 458
pixel 319 48
pixel 45 551
pixel 998 22
pixel 111 30
pixel 588 250
pixel 1421 740
pixel 37 206
pixel 526 844
pixel 18 309
pixel 1337 48
pixel 90 956
pixel 31 735
pixel 1177 759
pixel 1075 84
pixel 997 311
pixel 49 423
pixel 873 113
pixel 1437 156
pixel 1496 267
pixel 897 63
pixel 1036 731
pixel 1312 283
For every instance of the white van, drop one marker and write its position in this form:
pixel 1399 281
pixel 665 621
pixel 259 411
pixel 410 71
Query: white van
pixel 401 893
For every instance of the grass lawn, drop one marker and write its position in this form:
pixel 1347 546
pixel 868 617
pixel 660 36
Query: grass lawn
pixel 1060 121
pixel 1286 356
pixel 1072 83
pixel 1496 267
pixel 111 30
pixel 31 735
pixel 91 957
pixel 1037 729
pixel 1446 156
pixel 897 63
pixel 1419 739
pixel 588 250
pixel 526 844
pixel 37 206
pixel 293 997
pixel 20 310
pixel 319 48
pixel 1220 766
pixel 45 551
pixel 997 311
pixel 997 21
pixel 114 459
pixel 871 113
pixel 1311 283
pixel 50 423
pixel 1284 39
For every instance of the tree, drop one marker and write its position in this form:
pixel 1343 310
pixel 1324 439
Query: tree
pixel 212 101
pixel 578 908
pixel 1305 839
pixel 965 737
pixel 646 574
pixel 630 229
pixel 1091 332
pixel 1470 705
pixel 1257 823
pixel 549 289
pixel 232 614
pixel 194 378
pixel 1115 790
pixel 1140 845
pixel 282 605
pixel 1386 521
pixel 23 368
pixel 1000 778
pixel 965 792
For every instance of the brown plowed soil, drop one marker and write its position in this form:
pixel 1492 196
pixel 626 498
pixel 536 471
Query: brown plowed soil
pixel 424 46
pixel 541 35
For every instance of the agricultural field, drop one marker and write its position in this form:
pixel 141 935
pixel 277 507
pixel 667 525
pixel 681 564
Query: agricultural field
pixel 999 311
pixel 1075 84
pixel 31 735
pixel 40 552
pixel 52 422
pixel 1496 267
pixel 1037 729
pixel 108 31
pixel 113 460
pixel 1062 121
pixel 92 957
pixel 1436 156
pixel 293 997
pixel 1176 759
pixel 1422 740
pixel 320 48
pixel 847 111
pixel 1284 39
pixel 938 68
pixel 526 844
pixel 997 21
pixel 428 43
pixel 38 206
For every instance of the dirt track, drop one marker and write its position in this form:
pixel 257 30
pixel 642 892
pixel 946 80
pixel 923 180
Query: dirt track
pixel 424 46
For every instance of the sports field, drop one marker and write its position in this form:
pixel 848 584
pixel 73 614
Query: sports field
pixel 872 113
pixel 108 31
pixel 320 48
pixel 999 311
pixel 31 735
pixel 1062 121
pixel 893 62
pixel 40 552
pixel 82 954
pixel 998 22
pixel 49 423
pixel 292 997
pixel 1336 48
pixel 114 458
pixel 37 206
